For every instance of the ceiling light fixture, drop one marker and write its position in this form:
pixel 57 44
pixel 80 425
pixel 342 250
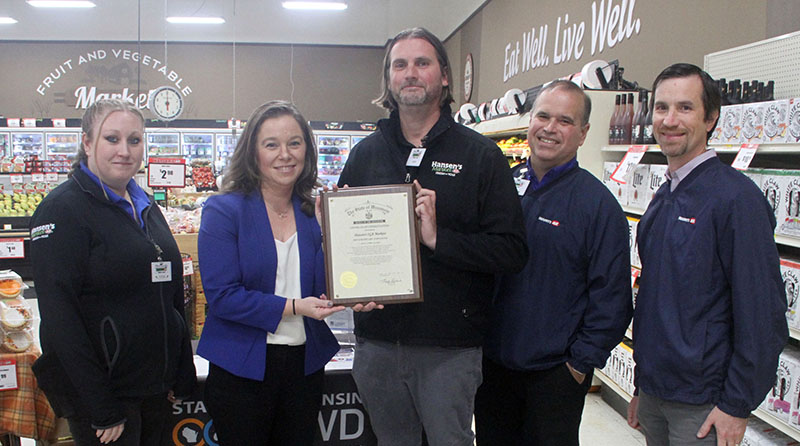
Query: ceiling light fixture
pixel 7 21
pixel 319 6
pixel 61 3
pixel 197 20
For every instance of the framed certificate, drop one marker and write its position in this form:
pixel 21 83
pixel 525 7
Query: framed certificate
pixel 371 242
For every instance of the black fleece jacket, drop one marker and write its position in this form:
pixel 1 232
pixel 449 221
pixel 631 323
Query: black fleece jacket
pixel 479 230
pixel 108 332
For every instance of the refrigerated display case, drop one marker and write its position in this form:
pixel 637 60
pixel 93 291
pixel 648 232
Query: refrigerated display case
pixel 163 144
pixel 226 143
pixel 62 144
pixel 27 144
pixel 4 144
pixel 197 146
pixel 332 154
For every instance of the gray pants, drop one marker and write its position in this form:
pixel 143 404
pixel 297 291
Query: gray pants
pixel 406 389
pixel 667 423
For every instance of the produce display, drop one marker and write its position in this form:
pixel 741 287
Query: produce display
pixel 182 221
pixel 20 204
pixel 203 175
pixel 514 146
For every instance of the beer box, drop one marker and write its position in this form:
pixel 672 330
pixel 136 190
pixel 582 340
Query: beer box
pixel 716 135
pixel 774 437
pixel 753 123
pixel 638 187
pixel 753 174
pixel 772 188
pixel 633 224
pixel 656 177
pixel 731 123
pixel 789 213
pixel 793 122
pixel 754 434
pixel 619 191
pixel 626 380
pixel 779 397
pixel 790 273
pixel 776 121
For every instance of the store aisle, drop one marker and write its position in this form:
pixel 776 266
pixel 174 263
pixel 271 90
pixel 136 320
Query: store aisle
pixel 603 426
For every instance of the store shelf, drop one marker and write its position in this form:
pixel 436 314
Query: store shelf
pixel 613 386
pixel 794 333
pixel 788 241
pixel 781 425
pixel 632 210
pixel 503 126
pixel 629 333
pixel 719 148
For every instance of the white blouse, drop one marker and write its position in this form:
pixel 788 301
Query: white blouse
pixel 290 330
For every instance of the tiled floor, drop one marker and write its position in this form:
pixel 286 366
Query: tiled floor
pixel 603 426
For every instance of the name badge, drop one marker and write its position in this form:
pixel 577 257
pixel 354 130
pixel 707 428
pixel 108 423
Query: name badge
pixel 415 157
pixel 522 185
pixel 161 271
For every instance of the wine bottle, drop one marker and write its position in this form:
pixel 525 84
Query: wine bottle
pixel 649 137
pixel 612 124
pixel 636 126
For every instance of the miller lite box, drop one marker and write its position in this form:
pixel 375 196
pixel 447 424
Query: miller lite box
pixel 752 128
pixel 730 121
pixel 776 121
pixel 657 176
pixel 789 207
pixel 620 191
pixel 637 187
pixel 790 273
pixel 793 123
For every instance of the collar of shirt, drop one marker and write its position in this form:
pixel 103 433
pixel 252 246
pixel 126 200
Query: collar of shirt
pixel 684 171
pixel 551 174
pixel 138 196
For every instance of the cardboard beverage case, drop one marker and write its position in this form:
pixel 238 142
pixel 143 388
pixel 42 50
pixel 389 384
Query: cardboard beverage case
pixel 776 121
pixel 789 215
pixel 753 123
pixel 638 187
pixel 753 174
pixel 619 191
pixel 731 122
pixel 790 272
pixel 793 122
pixel 780 398
pixel 772 188
pixel 657 176
pixel 633 224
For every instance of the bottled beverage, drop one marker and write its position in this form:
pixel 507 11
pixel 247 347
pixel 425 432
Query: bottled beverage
pixel 612 124
pixel 649 138
pixel 746 97
pixel 628 123
pixel 642 122
pixel 635 128
pixel 769 91
pixel 737 92
pixel 723 91
pixel 623 108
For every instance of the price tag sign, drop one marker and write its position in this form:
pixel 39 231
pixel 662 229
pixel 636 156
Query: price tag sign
pixel 188 268
pixel 29 122
pixel 37 177
pixel 17 178
pixel 51 177
pixel 13 122
pixel 8 374
pixel 12 248
pixel 60 123
pixel 628 163
pixel 745 156
pixel 166 172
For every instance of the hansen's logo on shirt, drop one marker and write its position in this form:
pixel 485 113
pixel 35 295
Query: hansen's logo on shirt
pixel 549 222
pixel 449 169
pixel 691 220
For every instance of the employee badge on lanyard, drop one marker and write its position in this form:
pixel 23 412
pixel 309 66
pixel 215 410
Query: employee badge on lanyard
pixel 415 157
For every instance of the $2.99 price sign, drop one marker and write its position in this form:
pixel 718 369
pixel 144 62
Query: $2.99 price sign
pixel 166 172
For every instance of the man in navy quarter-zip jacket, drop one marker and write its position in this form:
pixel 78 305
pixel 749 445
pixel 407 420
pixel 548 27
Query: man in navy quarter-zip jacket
pixel 710 321
pixel 418 365
pixel 559 318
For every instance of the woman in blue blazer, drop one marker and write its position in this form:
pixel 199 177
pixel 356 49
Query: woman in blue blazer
pixel 262 268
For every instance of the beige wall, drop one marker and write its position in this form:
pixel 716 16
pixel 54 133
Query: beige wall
pixel 330 83
pixel 670 31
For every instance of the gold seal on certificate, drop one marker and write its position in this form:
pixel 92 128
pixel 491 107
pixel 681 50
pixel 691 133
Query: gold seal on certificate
pixel 371 243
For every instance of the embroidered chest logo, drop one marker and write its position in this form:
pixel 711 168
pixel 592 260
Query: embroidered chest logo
pixel 42 231
pixel 689 220
pixel 550 222
pixel 449 169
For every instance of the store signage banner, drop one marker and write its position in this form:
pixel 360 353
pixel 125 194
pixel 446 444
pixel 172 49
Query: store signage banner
pixel 86 95
pixel 613 21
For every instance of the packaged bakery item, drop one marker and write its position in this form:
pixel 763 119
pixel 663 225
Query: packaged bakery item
pixel 15 314
pixel 18 341
pixel 11 284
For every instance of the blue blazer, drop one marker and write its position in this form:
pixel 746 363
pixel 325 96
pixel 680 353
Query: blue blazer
pixel 237 264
